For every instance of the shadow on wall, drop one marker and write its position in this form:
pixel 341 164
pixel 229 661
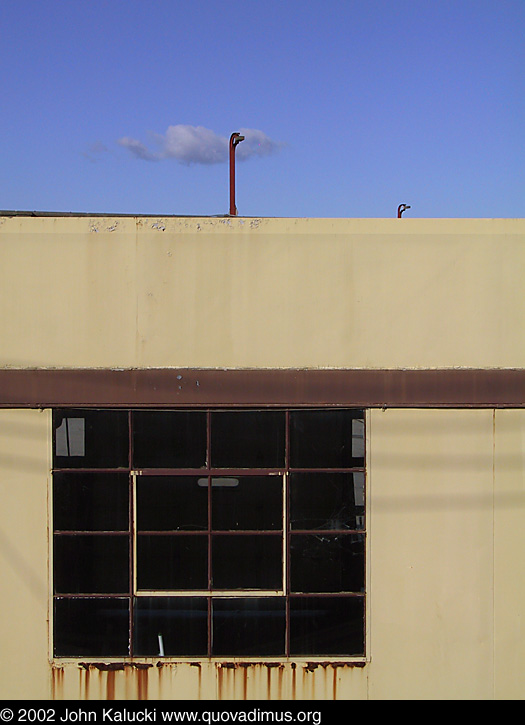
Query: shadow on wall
pixel 15 560
pixel 447 502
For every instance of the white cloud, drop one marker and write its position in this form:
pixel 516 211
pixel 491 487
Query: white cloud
pixel 256 143
pixel 194 145
pixel 137 149
pixel 200 145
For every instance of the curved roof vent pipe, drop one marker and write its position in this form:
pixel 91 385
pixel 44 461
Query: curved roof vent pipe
pixel 235 139
pixel 401 208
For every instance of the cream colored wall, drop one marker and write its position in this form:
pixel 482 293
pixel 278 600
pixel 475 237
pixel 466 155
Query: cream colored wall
pixel 432 554
pixel 446 592
pixel 447 488
pixel 509 552
pixel 24 589
pixel 234 292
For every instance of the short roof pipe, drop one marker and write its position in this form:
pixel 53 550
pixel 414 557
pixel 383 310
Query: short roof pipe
pixel 401 208
pixel 235 139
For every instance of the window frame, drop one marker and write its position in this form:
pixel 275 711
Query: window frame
pixel 286 533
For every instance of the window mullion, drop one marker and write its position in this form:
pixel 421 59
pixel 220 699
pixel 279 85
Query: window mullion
pixel 285 559
pixel 209 599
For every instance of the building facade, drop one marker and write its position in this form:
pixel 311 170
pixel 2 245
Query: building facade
pixel 262 458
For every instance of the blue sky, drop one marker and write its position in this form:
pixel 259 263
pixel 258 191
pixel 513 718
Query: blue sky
pixel 352 107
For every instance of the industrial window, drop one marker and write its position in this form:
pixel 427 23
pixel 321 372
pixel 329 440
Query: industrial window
pixel 209 533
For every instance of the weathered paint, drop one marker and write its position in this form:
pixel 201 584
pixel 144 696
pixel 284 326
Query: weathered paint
pixel 232 293
pixel 224 681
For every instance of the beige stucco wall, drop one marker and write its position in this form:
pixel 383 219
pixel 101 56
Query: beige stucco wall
pixel 446 593
pixel 233 292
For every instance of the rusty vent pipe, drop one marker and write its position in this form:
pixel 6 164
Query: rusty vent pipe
pixel 235 139
pixel 401 208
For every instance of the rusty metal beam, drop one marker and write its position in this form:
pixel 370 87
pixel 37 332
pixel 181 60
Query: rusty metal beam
pixel 498 388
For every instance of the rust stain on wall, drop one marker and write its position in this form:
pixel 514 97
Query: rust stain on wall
pixel 280 683
pixel 219 683
pixel 199 678
pixel 57 683
pixel 245 680
pixel 110 684
pixel 142 684
pixel 86 683
pixel 240 680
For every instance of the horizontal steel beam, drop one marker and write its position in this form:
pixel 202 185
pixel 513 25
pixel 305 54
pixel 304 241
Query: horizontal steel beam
pixel 489 388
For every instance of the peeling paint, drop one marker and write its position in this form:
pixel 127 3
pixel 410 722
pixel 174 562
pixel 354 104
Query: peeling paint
pixel 105 666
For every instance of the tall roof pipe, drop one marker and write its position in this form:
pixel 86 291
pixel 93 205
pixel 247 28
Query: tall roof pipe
pixel 235 139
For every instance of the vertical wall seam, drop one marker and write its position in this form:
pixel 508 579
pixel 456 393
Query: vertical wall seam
pixel 494 553
pixel 368 549
pixel 49 528
pixel 135 293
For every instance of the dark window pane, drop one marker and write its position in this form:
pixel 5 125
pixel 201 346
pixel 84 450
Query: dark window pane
pixel 327 500
pixel 326 439
pixel 171 626
pixel 91 438
pixel 247 562
pixel 327 626
pixel 327 563
pixel 91 627
pixel 91 501
pixel 247 502
pixel 169 439
pixel 249 626
pixel 248 439
pixel 172 503
pixel 172 562
pixel 91 564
